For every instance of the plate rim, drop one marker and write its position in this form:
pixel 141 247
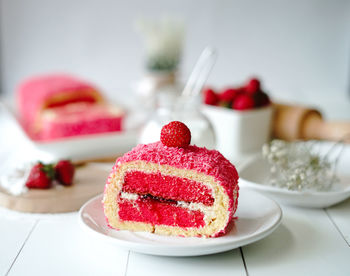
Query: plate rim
pixel 210 248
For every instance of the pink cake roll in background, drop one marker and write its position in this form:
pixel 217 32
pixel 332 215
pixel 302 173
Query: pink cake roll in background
pixel 59 105
pixel 42 92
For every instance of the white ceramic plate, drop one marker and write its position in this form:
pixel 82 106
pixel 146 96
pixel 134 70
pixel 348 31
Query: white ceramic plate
pixel 255 176
pixel 258 216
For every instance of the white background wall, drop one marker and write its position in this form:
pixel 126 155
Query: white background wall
pixel 299 48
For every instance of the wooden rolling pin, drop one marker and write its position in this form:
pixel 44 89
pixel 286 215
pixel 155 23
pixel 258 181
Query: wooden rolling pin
pixel 292 122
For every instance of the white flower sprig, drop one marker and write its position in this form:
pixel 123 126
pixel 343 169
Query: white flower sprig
pixel 297 166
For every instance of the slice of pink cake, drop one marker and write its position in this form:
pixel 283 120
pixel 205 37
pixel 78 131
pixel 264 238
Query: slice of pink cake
pixel 184 191
pixel 79 119
pixel 58 106
pixel 42 92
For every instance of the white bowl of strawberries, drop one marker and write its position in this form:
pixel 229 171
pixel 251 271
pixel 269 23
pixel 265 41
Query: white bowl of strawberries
pixel 241 117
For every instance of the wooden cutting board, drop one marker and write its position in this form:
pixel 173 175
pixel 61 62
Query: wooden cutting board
pixel 89 181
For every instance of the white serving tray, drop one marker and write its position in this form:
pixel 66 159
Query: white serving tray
pixel 84 147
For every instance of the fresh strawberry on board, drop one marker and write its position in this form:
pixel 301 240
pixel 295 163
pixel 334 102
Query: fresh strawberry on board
pixel 40 176
pixel 65 172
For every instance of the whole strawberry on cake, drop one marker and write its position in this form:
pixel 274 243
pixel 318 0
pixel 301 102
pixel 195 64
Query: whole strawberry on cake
pixel 172 188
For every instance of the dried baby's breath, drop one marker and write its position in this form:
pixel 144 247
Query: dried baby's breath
pixel 298 166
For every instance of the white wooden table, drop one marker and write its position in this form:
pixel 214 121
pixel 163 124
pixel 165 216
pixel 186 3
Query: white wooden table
pixel 308 242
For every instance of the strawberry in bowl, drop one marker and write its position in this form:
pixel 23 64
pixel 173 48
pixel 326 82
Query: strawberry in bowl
pixel 241 117
pixel 249 96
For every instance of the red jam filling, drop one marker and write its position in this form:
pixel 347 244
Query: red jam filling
pixel 71 99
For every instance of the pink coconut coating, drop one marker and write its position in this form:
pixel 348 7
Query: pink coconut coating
pixel 202 160
pixel 34 92
pixel 79 119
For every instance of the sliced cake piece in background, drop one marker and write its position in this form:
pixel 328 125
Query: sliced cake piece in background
pixel 57 106
pixel 41 92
